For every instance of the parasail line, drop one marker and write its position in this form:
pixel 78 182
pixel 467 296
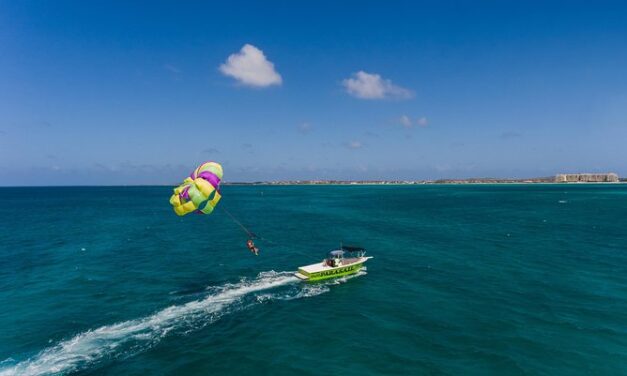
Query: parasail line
pixel 249 233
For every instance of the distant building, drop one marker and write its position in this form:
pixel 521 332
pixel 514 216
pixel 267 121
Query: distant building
pixel 587 178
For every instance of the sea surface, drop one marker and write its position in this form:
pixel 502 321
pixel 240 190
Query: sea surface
pixel 465 280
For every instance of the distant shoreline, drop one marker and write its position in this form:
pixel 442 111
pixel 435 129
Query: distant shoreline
pixel 320 182
pixel 420 183
pixel 274 184
pixel 577 178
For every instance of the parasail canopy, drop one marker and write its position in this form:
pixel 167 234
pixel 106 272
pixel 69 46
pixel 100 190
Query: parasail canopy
pixel 200 192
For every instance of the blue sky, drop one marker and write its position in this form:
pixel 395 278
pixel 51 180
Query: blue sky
pixel 140 93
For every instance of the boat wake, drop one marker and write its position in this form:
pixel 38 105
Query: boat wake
pixel 128 338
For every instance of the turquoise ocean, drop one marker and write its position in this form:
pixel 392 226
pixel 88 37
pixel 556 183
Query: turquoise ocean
pixel 465 280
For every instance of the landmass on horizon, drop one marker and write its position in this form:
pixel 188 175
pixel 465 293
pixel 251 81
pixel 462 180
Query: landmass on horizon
pixel 559 178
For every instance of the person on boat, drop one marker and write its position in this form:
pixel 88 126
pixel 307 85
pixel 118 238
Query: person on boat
pixel 331 262
pixel 251 247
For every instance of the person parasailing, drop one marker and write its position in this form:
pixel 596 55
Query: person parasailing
pixel 200 193
pixel 251 247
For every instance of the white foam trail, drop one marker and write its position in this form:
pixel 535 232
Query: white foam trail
pixel 309 290
pixel 138 335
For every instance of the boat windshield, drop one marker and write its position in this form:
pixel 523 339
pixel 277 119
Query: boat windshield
pixel 336 254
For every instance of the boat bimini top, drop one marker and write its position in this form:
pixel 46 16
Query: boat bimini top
pixel 352 250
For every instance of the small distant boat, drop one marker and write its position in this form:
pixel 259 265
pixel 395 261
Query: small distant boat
pixel 341 262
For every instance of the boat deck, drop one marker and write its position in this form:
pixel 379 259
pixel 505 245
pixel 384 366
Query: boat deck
pixel 321 266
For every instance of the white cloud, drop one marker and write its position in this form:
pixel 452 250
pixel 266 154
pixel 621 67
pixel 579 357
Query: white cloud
pixel 354 144
pixel 304 128
pixel 408 123
pixel 510 135
pixel 172 68
pixel 250 67
pixel 405 121
pixel 372 86
pixel 211 151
